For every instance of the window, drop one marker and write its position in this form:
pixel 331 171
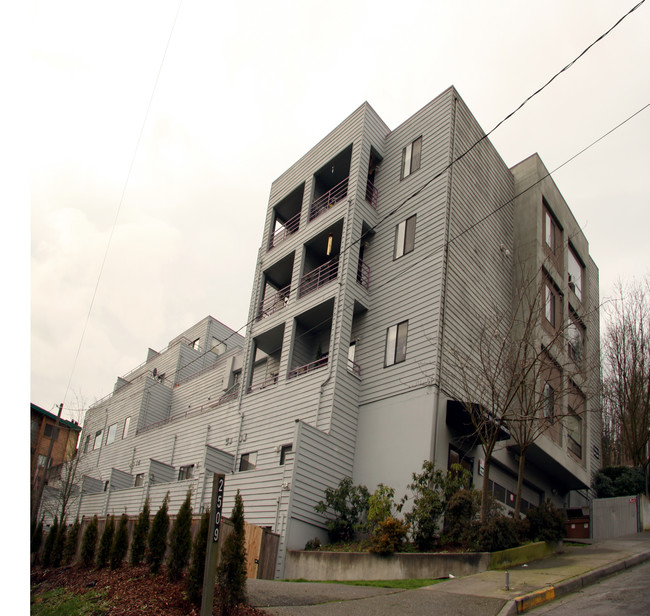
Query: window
pixel 396 343
pixel 574 433
pixel 195 344
pixel 185 472
pixel 139 480
pixel 51 430
pixel 247 461
pixel 283 453
pixel 575 273
pixel 405 237
pixel 106 484
pixel 411 155
pixel 552 304
pixel 98 439
pixel 87 445
pixel 42 461
pixel 549 401
pixel 218 347
pixel 576 339
pixel 127 423
pixel 552 232
pixel 112 432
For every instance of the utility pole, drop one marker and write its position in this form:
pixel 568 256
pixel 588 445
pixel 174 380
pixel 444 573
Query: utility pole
pixel 40 483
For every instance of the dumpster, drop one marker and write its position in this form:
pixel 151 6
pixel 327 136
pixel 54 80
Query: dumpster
pixel 577 524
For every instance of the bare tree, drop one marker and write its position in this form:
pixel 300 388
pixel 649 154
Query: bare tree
pixel 626 371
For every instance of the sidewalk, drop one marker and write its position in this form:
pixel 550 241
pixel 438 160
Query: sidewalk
pixel 475 595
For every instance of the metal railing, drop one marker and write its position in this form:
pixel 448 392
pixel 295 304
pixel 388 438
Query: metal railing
pixel 574 447
pixel 354 368
pixel 372 194
pixel 308 367
pixel 329 199
pixel 363 275
pixel 279 235
pixel 318 277
pixel 263 385
pixel 274 302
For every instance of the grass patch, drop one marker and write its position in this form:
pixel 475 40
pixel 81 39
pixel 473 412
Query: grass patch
pixel 60 602
pixel 409 584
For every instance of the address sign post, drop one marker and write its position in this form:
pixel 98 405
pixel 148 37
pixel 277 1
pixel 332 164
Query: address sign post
pixel 212 551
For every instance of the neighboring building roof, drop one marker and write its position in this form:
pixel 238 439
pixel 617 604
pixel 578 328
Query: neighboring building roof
pixel 72 425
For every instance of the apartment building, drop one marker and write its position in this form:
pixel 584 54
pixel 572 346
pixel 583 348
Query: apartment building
pixel 382 251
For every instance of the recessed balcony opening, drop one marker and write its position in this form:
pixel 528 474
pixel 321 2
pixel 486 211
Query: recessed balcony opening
pixel 331 183
pixel 358 319
pixel 267 353
pixel 321 262
pixel 311 342
pixel 363 269
pixel 286 217
pixel 276 287
pixel 372 195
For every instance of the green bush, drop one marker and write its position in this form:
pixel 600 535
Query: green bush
pixel 350 506
pixel 619 481
pixel 500 533
pixel 140 532
pixel 120 545
pixel 462 509
pixel 388 536
pixel 312 544
pixel 106 542
pixel 432 490
pixel 546 522
pixel 71 541
pixel 89 543
pixel 59 544
pixel 48 548
pixel 194 582
pixel 158 537
pixel 180 540
pixel 36 539
pixel 231 573
pixel 380 506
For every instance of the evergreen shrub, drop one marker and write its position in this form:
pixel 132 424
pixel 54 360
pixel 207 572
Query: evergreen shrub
pixel 158 537
pixel 231 573
pixel 106 542
pixel 140 532
pixel 194 582
pixel 180 540
pixel 89 543
pixel 120 545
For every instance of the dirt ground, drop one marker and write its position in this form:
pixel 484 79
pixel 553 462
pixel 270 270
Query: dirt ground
pixel 130 590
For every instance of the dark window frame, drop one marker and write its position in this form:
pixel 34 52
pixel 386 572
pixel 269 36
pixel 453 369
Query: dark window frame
pixel 393 353
pixel 411 158
pixel 405 241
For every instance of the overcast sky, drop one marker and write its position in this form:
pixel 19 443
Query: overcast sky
pixel 240 93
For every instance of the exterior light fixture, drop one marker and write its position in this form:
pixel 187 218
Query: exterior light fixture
pixel 330 239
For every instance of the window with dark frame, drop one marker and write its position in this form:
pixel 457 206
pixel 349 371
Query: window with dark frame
pixel 51 432
pixel 111 434
pixel 405 237
pixel 139 480
pixel 549 401
pixel 98 439
pixel 286 449
pixel 574 433
pixel 552 231
pixel 575 339
pixel 127 423
pixel 396 343
pixel 411 156
pixel 575 274
pixel 185 472
pixel 248 461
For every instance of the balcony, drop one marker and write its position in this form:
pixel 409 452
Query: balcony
pixel 318 277
pixel 272 380
pixel 274 302
pixel 329 199
pixel 319 363
pixel 363 275
pixel 354 368
pixel 283 230
pixel 372 194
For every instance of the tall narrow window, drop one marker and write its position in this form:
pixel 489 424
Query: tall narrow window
pixel 127 423
pixel 549 402
pixel 576 339
pixel 549 303
pixel 112 432
pixel 396 343
pixel 411 156
pixel 284 451
pixel 98 439
pixel 575 273
pixel 552 232
pixel 405 237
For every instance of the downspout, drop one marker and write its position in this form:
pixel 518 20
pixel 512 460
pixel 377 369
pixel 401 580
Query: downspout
pixel 443 291
pixel 171 461
pixel 335 316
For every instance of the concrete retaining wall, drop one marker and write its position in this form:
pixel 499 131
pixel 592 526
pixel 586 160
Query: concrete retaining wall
pixel 644 512
pixel 366 566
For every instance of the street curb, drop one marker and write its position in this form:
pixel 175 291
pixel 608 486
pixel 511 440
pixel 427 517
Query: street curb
pixel 521 604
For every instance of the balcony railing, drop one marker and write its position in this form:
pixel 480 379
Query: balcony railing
pixel 319 363
pixel 274 302
pixel 372 194
pixel 279 235
pixel 574 447
pixel 354 368
pixel 318 277
pixel 363 275
pixel 329 199
pixel 263 385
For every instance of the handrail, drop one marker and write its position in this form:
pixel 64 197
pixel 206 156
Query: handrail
pixel 308 367
pixel 329 199
pixel 264 384
pixel 318 277
pixel 289 227
pixel 372 194
pixel 354 368
pixel 363 274
pixel 274 302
